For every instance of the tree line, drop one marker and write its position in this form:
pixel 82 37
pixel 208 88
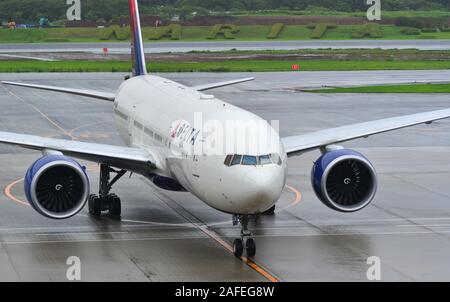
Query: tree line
pixel 109 10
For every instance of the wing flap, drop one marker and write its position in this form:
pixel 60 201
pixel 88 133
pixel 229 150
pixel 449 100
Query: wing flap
pixel 81 92
pixel 296 145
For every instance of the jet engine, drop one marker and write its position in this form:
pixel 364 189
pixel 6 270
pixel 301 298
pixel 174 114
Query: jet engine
pixel 57 187
pixel 344 180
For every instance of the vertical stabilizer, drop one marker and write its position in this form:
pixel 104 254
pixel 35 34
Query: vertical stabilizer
pixel 137 45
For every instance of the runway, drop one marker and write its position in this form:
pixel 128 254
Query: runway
pixel 166 236
pixel 163 47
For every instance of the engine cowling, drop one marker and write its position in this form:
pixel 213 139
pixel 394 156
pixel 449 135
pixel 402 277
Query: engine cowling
pixel 57 187
pixel 344 180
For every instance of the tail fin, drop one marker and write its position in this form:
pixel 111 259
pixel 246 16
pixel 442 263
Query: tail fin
pixel 137 46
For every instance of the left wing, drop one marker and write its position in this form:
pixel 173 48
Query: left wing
pixel 106 96
pixel 221 84
pixel 132 159
pixel 296 145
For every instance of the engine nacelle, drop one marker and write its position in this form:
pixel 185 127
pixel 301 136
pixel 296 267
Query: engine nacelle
pixel 344 180
pixel 57 187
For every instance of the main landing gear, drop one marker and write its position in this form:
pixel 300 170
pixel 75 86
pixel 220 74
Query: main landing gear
pixel 245 242
pixel 270 212
pixel 106 201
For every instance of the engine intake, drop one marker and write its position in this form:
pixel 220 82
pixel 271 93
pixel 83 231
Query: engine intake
pixel 344 180
pixel 57 187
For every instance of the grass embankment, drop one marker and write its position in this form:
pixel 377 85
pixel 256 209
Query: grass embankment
pixel 220 66
pixel 415 88
pixel 323 12
pixel 201 33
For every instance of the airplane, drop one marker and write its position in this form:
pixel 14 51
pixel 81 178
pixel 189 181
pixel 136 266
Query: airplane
pixel 154 117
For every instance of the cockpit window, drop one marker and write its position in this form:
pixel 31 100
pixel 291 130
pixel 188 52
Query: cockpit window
pixel 249 160
pixel 265 160
pixel 236 160
pixel 228 160
pixel 276 159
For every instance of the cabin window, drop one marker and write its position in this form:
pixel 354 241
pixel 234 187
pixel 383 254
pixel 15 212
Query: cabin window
pixel 158 138
pixel 148 132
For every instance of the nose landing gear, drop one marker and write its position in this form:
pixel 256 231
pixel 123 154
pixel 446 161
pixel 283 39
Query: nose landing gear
pixel 245 242
pixel 106 201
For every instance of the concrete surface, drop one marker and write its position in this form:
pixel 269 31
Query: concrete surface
pixel 165 236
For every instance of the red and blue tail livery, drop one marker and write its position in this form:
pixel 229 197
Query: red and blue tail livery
pixel 137 46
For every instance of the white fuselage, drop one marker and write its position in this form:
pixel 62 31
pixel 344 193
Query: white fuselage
pixel 149 111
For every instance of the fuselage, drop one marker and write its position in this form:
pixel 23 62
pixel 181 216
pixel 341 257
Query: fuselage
pixel 168 119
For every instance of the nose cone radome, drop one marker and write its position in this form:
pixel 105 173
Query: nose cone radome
pixel 261 189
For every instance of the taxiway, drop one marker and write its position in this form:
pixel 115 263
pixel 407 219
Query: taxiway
pixel 165 236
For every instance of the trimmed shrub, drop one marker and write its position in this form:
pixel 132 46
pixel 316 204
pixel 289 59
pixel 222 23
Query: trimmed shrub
pixel 320 29
pixel 358 35
pixel 410 31
pixel 227 30
pixel 172 31
pixel 371 30
pixel 275 31
pixel 429 30
pixel 122 33
pixel 115 32
pixel 106 34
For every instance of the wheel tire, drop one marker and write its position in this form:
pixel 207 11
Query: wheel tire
pixel 238 248
pixel 95 206
pixel 270 211
pixel 115 207
pixel 251 247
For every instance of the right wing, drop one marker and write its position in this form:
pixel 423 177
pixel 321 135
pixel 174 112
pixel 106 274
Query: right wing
pixel 106 96
pixel 296 145
pixel 131 159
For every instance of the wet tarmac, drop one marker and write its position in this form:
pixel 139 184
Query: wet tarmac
pixel 166 236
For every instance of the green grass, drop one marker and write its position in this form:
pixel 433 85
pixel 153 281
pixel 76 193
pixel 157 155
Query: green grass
pixel 331 51
pixel 385 13
pixel 415 88
pixel 221 66
pixel 200 33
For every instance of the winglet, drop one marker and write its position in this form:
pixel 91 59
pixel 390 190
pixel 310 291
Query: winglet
pixel 137 45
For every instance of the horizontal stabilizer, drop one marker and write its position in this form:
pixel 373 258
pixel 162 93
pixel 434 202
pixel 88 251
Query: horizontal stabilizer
pixel 82 92
pixel 221 84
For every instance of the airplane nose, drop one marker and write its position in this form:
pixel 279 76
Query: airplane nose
pixel 262 188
